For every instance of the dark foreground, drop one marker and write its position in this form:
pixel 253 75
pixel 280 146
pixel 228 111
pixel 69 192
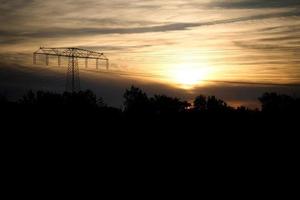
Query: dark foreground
pixel 63 135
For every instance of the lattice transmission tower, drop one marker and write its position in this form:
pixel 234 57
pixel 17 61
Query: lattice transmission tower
pixel 73 54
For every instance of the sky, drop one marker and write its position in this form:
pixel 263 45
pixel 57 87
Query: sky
pixel 184 47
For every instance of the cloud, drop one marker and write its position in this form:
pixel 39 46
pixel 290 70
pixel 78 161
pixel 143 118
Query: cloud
pixel 114 48
pixel 261 46
pixel 81 31
pixel 283 38
pixel 249 83
pixel 254 4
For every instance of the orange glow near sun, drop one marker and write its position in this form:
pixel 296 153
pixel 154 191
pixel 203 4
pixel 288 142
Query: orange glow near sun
pixel 189 75
pixel 187 70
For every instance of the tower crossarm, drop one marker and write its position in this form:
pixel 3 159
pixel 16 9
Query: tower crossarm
pixel 71 52
pixel 73 55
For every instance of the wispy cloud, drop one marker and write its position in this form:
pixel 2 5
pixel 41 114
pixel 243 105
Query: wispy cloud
pixel 81 31
pixel 254 4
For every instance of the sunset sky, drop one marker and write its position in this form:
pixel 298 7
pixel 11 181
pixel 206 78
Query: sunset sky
pixel 184 44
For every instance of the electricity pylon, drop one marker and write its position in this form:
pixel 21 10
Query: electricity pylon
pixel 73 54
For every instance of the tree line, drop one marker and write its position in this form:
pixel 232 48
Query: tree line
pixel 137 102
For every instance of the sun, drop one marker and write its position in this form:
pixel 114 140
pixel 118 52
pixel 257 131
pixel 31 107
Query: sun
pixel 188 76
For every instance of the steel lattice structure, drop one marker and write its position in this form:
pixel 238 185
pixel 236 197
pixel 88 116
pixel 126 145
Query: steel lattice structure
pixel 73 54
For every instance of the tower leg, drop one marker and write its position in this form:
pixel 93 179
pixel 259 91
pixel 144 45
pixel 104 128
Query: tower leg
pixel 73 82
pixel 59 61
pixel 47 60
pixel 97 64
pixel 34 59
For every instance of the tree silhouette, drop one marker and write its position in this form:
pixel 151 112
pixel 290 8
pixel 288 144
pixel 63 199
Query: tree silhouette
pixel 136 101
pixel 273 102
pixel 48 99
pixel 216 105
pixel 209 104
pixel 29 98
pixel 3 100
pixel 68 100
pixel 163 104
pixel 159 106
pixel 200 103
pixel 82 98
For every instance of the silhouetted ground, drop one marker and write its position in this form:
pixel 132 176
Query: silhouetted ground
pixel 63 134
